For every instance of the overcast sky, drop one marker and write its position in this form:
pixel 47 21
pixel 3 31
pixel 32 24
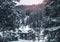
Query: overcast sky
pixel 29 2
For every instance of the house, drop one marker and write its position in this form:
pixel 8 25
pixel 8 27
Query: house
pixel 25 32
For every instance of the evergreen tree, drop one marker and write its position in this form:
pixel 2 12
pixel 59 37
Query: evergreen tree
pixel 8 15
pixel 53 19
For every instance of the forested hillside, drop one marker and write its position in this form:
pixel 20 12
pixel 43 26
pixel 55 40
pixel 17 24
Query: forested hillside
pixel 45 16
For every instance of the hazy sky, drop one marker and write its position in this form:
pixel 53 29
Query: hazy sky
pixel 29 2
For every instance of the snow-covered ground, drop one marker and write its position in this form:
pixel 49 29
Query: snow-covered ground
pixel 20 40
pixel 41 38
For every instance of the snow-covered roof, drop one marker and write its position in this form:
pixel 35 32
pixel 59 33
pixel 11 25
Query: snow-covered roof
pixel 25 29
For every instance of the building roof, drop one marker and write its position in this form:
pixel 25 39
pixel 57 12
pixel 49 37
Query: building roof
pixel 25 29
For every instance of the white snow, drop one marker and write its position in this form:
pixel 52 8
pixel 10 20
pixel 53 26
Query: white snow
pixel 25 29
pixel 1 34
pixel 20 40
pixel 54 20
pixel 42 38
pixel 53 28
pixel 25 19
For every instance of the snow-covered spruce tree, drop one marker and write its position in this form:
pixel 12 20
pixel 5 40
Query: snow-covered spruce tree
pixel 8 15
pixel 53 20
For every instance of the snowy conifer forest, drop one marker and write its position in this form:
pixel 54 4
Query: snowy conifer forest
pixel 29 23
